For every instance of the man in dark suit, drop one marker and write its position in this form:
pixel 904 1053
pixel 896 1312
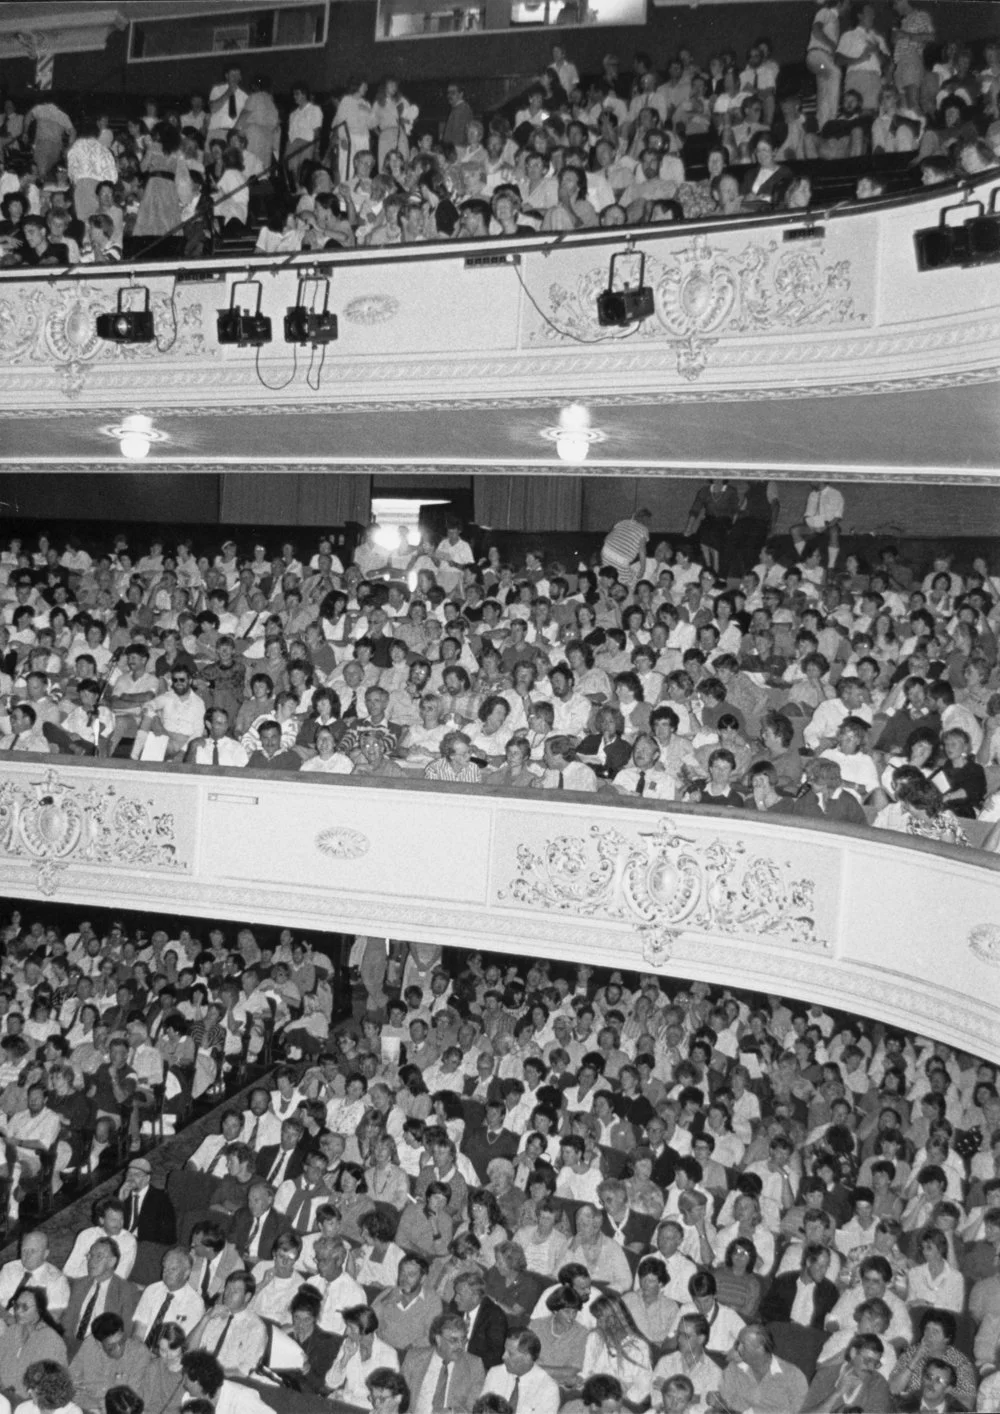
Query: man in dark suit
pixel 150 1217
pixel 484 1319
pixel 489 1141
pixel 796 1307
pixel 634 1231
pixel 664 1157
pixel 257 1227
pixel 276 1162
pixel 99 1291
pixel 442 1374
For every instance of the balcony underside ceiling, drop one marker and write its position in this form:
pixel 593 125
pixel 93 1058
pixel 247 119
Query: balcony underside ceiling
pixel 931 432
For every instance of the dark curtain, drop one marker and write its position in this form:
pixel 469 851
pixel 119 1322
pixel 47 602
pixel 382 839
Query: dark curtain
pixel 531 503
pixel 320 498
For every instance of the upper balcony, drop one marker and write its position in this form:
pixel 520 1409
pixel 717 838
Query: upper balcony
pixel 873 922
pixel 786 344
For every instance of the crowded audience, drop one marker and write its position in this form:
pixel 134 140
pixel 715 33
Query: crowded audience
pixel 499 1188
pixel 722 667
pixel 678 136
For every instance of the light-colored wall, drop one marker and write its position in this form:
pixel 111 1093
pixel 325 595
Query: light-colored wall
pixel 737 309
pixel 864 921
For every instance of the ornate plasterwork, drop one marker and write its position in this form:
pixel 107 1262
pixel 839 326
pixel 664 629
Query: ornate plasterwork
pixel 56 327
pixel 984 940
pixel 371 310
pixel 663 879
pixel 705 292
pixel 52 823
pixel 338 842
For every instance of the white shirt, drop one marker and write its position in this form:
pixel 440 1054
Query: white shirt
pixel 186 1308
pixel 46 1275
pixel 76 1264
pixel 538 1392
pixel 340 1294
pixel 230 753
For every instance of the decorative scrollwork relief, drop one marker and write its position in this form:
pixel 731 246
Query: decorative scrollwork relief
pixel 705 292
pixel 664 882
pixel 53 823
pixel 338 842
pixel 371 309
pixel 58 328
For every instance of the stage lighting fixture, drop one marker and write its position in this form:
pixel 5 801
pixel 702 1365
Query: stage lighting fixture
pixel 972 239
pixel 241 325
pixel 304 322
pixel 128 325
pixel 627 300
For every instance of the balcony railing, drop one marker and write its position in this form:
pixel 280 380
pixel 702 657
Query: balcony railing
pixel 824 301
pixel 894 928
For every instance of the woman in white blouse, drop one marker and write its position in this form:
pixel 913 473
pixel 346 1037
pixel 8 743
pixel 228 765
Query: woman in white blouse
pixel 360 1355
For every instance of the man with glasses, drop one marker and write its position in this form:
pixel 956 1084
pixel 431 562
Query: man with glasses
pixel 177 714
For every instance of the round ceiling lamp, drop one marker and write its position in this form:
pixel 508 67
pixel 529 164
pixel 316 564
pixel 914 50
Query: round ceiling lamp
pixel 135 435
pixel 574 435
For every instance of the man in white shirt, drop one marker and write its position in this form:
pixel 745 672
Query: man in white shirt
pixel 522 1382
pixel 821 730
pixel 235 1336
pixel 170 1299
pixel 178 714
pixel 339 1289
pixel 645 777
pixel 33 1268
pixel 209 1157
pixel 823 515
pixel 225 104
pixel 562 769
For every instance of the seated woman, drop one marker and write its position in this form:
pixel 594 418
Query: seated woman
pixel 427 1227
pixel 361 1357
pixel 736 1285
pixel 606 751
pixel 563 1337
pixel 764 184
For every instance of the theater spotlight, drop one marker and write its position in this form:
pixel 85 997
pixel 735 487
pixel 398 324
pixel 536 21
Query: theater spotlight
pixel 966 234
pixel 128 325
pixel 304 322
pixel 627 300
pixel 241 325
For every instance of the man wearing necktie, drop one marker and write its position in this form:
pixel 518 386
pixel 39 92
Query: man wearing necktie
pixel 235 1336
pixel 171 1299
pixel 256 1227
pixel 442 1376
pixel 521 1380
pixel 225 104
pixel 98 1293
pixel 216 747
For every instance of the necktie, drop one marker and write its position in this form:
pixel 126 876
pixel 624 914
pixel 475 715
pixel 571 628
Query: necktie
pixel 152 1340
pixel 25 1281
pixel 88 1312
pixel 440 1400
pixel 222 1336
pixel 296 1208
pixel 254 1233
pixel 640 785
pixel 277 1166
pixel 252 1136
pixel 515 1394
pixel 351 710
pixel 215 753
pixel 206 1284
pixel 232 106
pixel 561 785
pixel 133 1212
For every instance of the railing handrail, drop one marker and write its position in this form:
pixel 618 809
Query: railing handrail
pixel 967 854
pixel 544 244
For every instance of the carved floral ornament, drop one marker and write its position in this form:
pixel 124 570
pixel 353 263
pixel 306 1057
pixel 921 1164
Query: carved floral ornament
pixel 705 292
pixel 339 842
pixel 56 327
pixel 52 823
pixel 664 883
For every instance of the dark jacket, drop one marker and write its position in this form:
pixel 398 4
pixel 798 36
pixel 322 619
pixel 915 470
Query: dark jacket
pixel 157 1219
pixel 240 1228
pixel 488 1334
pixel 777 1304
pixel 121 1299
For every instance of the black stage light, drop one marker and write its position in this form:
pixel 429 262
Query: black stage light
pixel 244 327
pixel 126 325
pixel 627 300
pixel 304 323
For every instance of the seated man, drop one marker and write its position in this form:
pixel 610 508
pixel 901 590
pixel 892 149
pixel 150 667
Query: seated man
pixel 442 1374
pixel 107 1357
pixel 520 1379
pixel 177 714
pixel 406 1310
pixel 233 1334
